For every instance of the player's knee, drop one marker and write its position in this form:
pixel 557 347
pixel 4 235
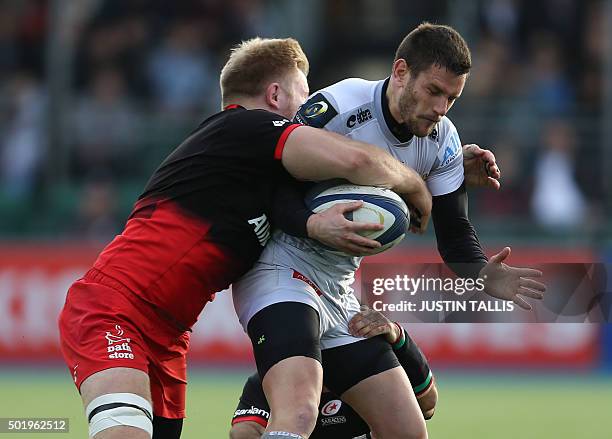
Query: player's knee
pixel 301 417
pixel 405 428
pixel 120 410
pixel 305 416
pixel 420 434
pixel 246 430
pixel 397 433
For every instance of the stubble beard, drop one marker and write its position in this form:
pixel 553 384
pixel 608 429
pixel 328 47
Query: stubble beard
pixel 407 105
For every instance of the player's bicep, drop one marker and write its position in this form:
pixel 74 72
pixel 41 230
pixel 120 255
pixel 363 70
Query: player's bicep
pixel 316 155
pixel 260 137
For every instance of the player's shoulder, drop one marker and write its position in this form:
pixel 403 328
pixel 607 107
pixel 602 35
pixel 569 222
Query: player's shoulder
pixel 242 122
pixel 449 145
pixel 327 106
pixel 259 115
pixel 350 93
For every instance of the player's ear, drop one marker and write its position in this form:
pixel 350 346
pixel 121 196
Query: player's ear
pixel 272 95
pixel 400 72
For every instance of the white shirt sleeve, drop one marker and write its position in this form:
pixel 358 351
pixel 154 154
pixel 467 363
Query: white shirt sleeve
pixel 446 175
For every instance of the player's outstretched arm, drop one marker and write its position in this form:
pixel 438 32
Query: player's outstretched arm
pixel 510 283
pixel 480 168
pixel 317 155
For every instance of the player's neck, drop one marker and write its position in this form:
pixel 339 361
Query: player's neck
pixel 393 117
pixel 254 103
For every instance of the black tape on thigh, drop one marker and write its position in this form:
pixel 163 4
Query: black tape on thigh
pixel 284 330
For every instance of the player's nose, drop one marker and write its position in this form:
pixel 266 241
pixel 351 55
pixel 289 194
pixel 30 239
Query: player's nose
pixel 440 107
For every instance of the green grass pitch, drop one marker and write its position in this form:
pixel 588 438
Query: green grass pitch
pixel 470 406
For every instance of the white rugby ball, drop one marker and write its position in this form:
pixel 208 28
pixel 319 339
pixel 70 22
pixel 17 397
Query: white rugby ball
pixel 380 206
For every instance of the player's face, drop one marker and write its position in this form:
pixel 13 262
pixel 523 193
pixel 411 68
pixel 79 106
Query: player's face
pixel 294 92
pixel 428 97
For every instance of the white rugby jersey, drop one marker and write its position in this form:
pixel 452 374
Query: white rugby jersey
pixel 353 108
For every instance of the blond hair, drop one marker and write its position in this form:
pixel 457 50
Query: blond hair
pixel 257 61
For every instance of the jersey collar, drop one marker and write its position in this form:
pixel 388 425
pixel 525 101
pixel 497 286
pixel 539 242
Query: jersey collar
pixel 399 130
pixel 232 107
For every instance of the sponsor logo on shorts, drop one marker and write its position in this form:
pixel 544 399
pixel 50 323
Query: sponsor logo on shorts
pixel 300 276
pixel 331 407
pixel 333 420
pixel 118 346
pixel 253 411
pixel 116 338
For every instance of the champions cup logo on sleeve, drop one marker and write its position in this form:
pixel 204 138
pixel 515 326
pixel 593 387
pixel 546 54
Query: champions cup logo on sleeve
pixel 118 346
pixel 316 112
pixel 316 109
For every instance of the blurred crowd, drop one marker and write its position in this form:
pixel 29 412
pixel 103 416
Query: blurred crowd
pixel 534 96
pixel 143 73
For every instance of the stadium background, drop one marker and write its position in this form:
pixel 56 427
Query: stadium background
pixel 96 92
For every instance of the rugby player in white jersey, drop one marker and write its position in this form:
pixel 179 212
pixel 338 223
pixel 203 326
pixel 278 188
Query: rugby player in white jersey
pixel 296 302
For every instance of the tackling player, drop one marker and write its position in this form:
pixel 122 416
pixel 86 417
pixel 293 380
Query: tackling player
pixel 299 291
pixel 336 419
pixel 201 222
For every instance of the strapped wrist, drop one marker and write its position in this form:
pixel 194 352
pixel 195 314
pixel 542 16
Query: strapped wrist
pixel 401 339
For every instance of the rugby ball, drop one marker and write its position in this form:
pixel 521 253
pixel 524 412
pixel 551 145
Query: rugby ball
pixel 380 206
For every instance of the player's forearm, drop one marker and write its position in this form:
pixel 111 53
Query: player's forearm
pixel 289 212
pixel 458 243
pixel 317 155
pixel 378 168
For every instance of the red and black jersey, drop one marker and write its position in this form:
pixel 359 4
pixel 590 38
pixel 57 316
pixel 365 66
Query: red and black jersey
pixel 202 220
